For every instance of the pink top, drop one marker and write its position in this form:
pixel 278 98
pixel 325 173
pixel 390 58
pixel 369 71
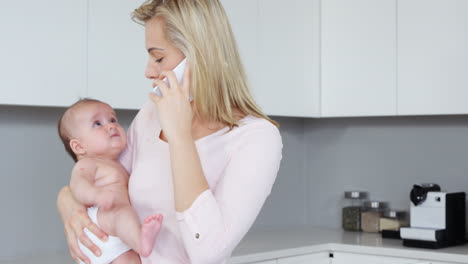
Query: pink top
pixel 240 167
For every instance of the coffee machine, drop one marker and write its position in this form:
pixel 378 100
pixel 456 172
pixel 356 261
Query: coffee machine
pixel 437 219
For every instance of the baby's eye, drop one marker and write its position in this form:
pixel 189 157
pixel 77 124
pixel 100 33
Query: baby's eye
pixel 96 123
pixel 113 120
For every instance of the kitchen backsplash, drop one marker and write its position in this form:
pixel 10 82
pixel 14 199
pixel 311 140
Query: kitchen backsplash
pixel 384 156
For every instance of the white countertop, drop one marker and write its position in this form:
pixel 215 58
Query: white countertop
pixel 264 245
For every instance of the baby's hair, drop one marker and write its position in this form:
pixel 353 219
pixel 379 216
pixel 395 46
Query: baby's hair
pixel 62 128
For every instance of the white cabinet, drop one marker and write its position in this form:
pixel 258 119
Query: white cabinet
pixel 352 258
pixel 243 17
pixel 432 57
pixel 306 58
pixel 42 52
pixel 316 258
pixel 289 58
pixel 116 54
pixel 358 42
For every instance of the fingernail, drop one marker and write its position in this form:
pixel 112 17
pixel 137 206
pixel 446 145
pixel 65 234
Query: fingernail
pixel 106 238
pixel 98 253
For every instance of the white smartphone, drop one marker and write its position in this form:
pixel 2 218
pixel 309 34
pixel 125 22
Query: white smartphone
pixel 179 73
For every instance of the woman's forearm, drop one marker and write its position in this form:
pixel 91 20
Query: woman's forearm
pixel 188 177
pixel 66 203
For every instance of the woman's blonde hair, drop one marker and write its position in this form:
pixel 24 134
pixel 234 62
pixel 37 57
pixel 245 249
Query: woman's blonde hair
pixel 201 31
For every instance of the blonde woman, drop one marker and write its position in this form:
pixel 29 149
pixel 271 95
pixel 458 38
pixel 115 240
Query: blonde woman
pixel 206 164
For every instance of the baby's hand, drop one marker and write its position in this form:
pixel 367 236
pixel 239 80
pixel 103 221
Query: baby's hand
pixel 105 200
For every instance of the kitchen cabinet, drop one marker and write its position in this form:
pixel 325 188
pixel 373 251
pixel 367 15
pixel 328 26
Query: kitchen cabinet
pixel 432 57
pixel 358 43
pixel 116 54
pixel 243 17
pixel 289 56
pixel 316 258
pixel 307 58
pixel 42 52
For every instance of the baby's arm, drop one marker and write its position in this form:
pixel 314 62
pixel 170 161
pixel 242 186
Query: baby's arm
pixel 82 182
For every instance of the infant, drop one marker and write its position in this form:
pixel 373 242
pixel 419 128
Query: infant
pixel 93 137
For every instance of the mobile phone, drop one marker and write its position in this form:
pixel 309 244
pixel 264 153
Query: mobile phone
pixel 179 73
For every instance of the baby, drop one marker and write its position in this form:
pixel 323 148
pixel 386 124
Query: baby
pixel 93 137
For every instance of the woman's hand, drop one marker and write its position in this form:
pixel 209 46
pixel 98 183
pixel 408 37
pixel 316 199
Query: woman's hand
pixel 75 218
pixel 174 109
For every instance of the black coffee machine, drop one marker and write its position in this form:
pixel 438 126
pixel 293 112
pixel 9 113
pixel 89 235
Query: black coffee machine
pixel 437 218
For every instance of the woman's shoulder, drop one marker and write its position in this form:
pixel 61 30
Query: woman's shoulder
pixel 253 122
pixel 254 134
pixel 252 126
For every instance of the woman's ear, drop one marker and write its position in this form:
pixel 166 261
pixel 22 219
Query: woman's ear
pixel 76 147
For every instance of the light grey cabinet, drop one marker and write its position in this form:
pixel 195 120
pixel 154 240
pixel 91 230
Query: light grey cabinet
pixel 432 57
pixel 358 48
pixel 116 54
pixel 306 58
pixel 243 17
pixel 42 52
pixel 289 57
pixel 279 46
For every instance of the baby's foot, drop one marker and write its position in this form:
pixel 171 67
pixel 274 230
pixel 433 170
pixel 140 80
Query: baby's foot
pixel 149 231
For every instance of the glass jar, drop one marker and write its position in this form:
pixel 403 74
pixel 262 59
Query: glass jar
pixel 371 214
pixel 394 220
pixel 351 215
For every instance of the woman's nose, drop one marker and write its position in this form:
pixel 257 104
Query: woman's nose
pixel 151 71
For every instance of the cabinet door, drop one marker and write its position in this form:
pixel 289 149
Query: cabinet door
pixel 289 57
pixel 358 57
pixel 116 54
pixel 42 51
pixel 243 17
pixel 317 258
pixel 350 258
pixel 432 57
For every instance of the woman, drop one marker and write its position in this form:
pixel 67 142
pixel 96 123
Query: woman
pixel 206 164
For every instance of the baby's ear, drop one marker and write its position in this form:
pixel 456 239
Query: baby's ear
pixel 76 147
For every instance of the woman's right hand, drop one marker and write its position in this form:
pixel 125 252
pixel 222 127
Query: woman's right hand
pixel 75 219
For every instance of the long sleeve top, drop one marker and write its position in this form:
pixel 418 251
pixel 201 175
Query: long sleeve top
pixel 240 167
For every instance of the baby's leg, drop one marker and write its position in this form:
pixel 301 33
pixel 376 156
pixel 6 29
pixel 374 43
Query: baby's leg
pixel 129 257
pixel 123 222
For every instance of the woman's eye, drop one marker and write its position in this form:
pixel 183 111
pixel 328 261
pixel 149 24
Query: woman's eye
pixel 159 60
pixel 96 123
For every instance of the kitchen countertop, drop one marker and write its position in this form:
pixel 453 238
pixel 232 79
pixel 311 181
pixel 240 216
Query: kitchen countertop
pixel 264 245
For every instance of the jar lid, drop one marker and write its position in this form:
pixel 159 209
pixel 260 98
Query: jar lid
pixel 396 214
pixel 375 204
pixel 355 195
